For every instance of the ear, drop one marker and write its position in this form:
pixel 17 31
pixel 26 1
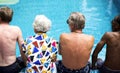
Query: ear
pixel 72 28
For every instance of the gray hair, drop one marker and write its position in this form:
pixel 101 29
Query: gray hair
pixel 42 23
pixel 77 19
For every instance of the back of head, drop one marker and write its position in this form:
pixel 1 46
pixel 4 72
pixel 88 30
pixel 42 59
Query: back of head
pixel 77 19
pixel 116 23
pixel 41 23
pixel 6 14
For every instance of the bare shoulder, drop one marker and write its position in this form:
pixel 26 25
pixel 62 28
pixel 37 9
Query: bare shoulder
pixel 63 35
pixel 108 34
pixel 16 31
pixel 90 37
pixel 16 28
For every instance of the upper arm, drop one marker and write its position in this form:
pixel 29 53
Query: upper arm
pixel 60 40
pixel 20 43
pixel 55 52
pixel 98 49
pixel 20 38
pixel 100 45
pixel 55 44
pixel 91 43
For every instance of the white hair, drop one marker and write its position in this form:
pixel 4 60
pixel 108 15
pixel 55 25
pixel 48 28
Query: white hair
pixel 42 23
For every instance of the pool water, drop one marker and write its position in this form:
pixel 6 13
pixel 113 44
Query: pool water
pixel 98 13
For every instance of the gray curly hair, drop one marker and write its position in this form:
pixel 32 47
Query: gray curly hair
pixel 42 23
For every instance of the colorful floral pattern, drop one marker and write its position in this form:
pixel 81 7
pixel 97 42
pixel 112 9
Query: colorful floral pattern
pixel 39 50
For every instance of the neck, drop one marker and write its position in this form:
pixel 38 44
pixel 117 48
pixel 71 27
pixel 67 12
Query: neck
pixel 4 23
pixel 77 31
pixel 39 33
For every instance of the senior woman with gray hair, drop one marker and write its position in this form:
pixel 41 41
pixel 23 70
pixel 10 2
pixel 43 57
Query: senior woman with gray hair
pixel 40 50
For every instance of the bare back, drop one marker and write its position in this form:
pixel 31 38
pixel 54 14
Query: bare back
pixel 8 37
pixel 75 49
pixel 112 60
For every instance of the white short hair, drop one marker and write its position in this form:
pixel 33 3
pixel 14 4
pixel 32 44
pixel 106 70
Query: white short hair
pixel 42 23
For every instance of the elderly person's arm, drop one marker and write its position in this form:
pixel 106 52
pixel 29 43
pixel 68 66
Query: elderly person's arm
pixel 97 50
pixel 54 54
pixel 20 42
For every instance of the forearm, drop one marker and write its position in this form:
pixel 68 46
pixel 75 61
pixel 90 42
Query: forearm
pixel 94 60
pixel 23 55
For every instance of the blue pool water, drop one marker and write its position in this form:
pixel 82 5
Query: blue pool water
pixel 98 13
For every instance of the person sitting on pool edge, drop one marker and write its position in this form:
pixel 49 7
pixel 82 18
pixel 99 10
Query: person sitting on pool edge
pixel 40 49
pixel 75 47
pixel 112 57
pixel 9 36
